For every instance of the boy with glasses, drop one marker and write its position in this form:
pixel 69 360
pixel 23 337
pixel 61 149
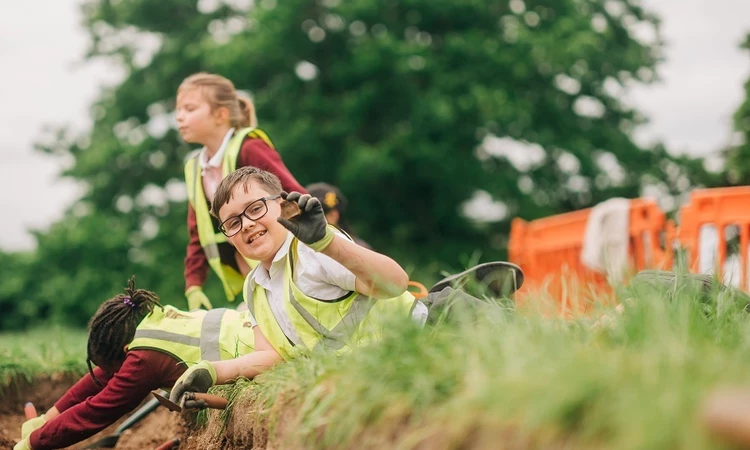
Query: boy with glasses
pixel 313 289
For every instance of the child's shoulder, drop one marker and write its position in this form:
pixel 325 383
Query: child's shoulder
pixel 191 156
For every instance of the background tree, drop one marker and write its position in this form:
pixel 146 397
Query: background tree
pixel 738 161
pixel 413 107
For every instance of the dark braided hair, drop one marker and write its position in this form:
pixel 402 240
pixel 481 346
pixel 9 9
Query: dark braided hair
pixel 113 326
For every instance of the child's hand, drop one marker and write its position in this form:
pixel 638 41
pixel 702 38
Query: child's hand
pixel 30 425
pixel 310 226
pixel 23 444
pixel 198 378
pixel 196 298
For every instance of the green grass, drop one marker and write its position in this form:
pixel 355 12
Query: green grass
pixel 41 351
pixel 637 384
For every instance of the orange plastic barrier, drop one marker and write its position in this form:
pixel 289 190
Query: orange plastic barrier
pixel 549 252
pixel 718 209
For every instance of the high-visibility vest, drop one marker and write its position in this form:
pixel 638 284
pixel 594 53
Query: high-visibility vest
pixel 328 325
pixel 209 237
pixel 190 337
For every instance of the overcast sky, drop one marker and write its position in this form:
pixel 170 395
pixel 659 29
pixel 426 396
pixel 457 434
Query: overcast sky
pixel 42 81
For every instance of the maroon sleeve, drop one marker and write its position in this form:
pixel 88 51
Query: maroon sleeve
pixel 255 152
pixel 196 263
pixel 142 372
pixel 82 390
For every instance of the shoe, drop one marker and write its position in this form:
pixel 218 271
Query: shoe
pixel 706 283
pixel 502 278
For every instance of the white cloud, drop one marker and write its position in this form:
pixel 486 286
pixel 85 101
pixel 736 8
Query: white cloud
pixel 47 84
pixel 702 80
pixel 483 208
pixel 522 155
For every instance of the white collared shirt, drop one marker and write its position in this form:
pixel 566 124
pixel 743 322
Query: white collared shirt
pixel 211 168
pixel 315 274
pixel 215 160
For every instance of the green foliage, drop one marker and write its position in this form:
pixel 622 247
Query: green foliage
pixel 636 384
pixel 391 100
pixel 738 164
pixel 45 351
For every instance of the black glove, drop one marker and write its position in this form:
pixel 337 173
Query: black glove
pixel 310 226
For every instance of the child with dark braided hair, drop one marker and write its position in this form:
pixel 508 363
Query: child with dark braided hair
pixel 137 346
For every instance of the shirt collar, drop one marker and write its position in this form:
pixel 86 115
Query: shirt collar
pixel 260 274
pixel 218 157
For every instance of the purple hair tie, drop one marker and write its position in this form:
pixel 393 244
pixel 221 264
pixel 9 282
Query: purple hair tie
pixel 128 302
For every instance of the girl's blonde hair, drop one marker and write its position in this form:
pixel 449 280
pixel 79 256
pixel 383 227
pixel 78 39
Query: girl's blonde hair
pixel 220 92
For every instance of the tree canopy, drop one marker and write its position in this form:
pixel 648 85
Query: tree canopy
pixel 738 161
pixel 439 120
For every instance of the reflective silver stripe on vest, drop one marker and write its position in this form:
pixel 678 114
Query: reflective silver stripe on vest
pixel 168 337
pixel 208 342
pixel 210 334
pixel 211 250
pixel 340 335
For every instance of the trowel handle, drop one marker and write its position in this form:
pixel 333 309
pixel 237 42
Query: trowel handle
pixel 212 401
pixel 169 445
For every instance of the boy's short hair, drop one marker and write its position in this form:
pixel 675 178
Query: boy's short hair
pixel 243 176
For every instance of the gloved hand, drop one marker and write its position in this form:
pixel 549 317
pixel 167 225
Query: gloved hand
pixel 310 226
pixel 32 424
pixel 190 402
pixel 197 298
pixel 198 378
pixel 23 444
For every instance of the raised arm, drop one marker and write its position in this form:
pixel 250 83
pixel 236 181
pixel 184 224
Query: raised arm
pixel 377 275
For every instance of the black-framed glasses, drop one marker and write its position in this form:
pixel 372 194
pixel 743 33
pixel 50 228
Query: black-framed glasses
pixel 254 211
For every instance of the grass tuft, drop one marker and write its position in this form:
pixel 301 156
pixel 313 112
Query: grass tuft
pixel 517 376
pixel 41 352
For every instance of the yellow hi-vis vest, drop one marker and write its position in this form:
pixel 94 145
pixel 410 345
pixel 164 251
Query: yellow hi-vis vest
pixel 328 325
pixel 210 237
pixel 190 337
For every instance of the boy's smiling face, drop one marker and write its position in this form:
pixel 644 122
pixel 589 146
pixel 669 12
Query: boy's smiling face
pixel 260 239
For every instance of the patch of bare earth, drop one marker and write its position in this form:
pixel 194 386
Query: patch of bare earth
pixel 156 428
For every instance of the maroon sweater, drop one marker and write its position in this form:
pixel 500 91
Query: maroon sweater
pixel 254 152
pixel 87 408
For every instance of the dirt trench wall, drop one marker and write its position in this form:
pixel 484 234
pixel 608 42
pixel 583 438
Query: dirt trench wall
pixel 158 427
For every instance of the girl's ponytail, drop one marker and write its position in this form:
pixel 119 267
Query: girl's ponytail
pixel 247 117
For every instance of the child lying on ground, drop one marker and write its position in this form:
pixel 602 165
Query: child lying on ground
pixel 138 346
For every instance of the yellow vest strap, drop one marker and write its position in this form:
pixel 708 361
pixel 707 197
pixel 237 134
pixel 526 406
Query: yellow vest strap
pixel 340 335
pixel 290 333
pixel 196 170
